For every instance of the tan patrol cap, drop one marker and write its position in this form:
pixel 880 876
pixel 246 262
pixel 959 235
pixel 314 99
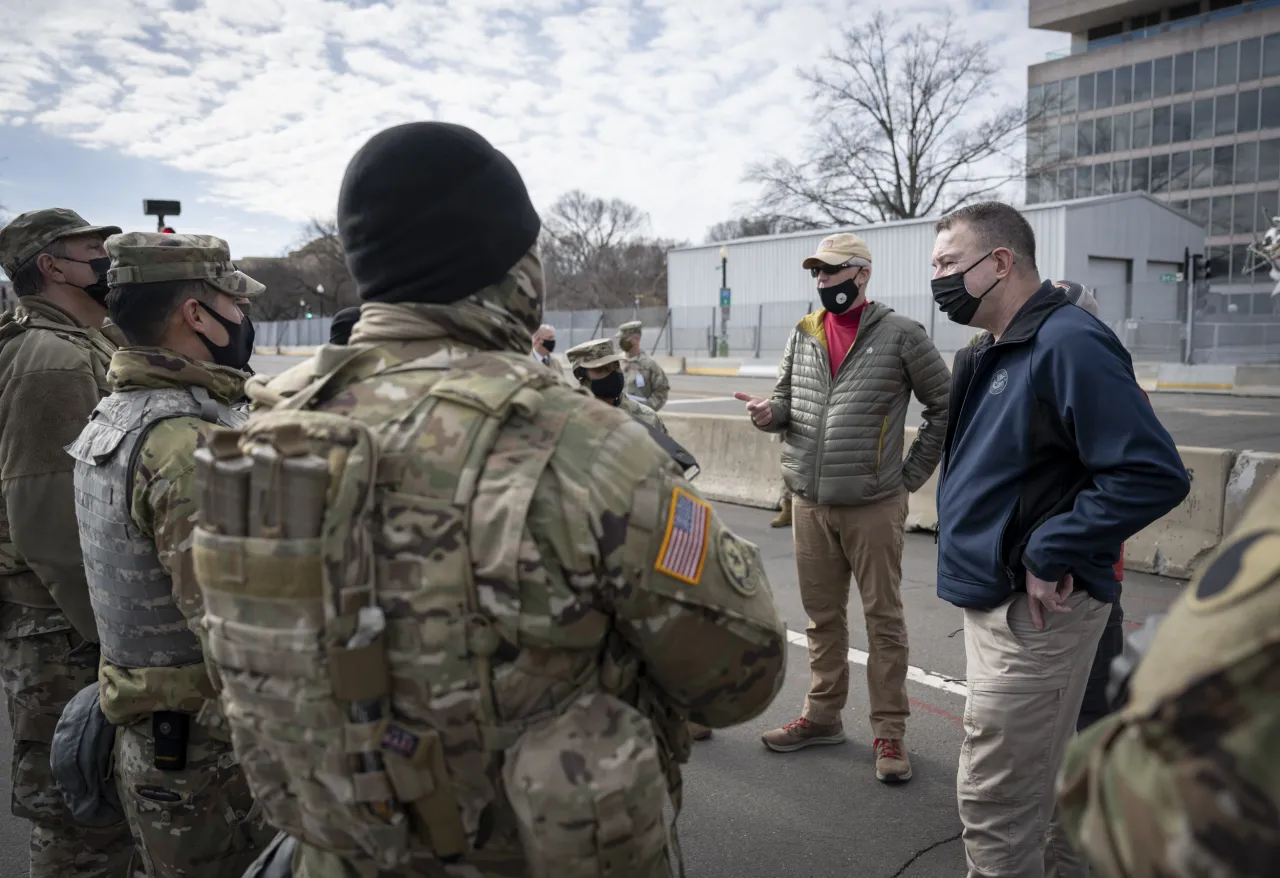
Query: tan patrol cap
pixel 631 327
pixel 839 249
pixel 151 257
pixel 594 354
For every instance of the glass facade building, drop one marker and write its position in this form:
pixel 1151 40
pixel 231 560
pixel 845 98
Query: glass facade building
pixel 1181 101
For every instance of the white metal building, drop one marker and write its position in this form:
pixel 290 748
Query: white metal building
pixel 1126 247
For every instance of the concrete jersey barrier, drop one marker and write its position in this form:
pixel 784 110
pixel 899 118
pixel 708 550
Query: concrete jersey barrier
pixel 741 464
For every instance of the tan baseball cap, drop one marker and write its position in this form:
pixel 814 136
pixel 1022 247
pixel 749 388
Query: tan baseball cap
pixel 839 249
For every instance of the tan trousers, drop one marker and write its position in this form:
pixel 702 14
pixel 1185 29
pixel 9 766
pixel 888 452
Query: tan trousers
pixel 832 543
pixel 1025 691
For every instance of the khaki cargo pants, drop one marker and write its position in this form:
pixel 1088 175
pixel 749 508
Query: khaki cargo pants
pixel 1025 691
pixel 865 542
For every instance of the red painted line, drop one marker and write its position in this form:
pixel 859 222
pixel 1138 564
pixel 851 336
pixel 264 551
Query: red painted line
pixel 938 710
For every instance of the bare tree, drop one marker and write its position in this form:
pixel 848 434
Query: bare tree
pixel 287 291
pixel 596 255
pixel 321 265
pixel 909 129
pixel 753 227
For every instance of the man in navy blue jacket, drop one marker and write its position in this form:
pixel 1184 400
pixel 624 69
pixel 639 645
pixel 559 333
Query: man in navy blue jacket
pixel 1052 459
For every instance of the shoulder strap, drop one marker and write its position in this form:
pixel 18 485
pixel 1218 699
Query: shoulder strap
pixel 494 387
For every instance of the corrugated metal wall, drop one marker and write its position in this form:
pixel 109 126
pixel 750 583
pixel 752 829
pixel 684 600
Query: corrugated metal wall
pixel 766 271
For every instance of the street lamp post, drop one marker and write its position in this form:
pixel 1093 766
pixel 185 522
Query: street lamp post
pixel 725 301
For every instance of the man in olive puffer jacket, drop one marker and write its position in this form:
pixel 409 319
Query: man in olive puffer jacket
pixel 844 383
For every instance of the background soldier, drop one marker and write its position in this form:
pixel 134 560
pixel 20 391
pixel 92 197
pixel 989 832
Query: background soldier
pixel 53 370
pixel 646 382
pixel 178 299
pixel 576 603
pixel 1182 779
pixel 597 365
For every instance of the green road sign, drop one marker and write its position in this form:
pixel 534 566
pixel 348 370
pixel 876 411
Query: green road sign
pixel 1170 278
pixel 725 296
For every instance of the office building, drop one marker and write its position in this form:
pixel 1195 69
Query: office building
pixel 1181 100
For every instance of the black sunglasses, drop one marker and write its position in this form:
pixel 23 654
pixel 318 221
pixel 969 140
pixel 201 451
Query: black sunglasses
pixel 830 269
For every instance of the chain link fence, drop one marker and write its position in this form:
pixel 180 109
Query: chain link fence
pixel 1153 329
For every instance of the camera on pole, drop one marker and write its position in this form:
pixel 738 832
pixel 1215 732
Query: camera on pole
pixel 160 210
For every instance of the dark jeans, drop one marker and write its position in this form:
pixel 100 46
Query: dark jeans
pixel 1095 705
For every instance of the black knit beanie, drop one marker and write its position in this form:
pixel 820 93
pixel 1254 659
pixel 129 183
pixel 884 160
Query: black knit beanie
pixel 343 322
pixel 431 212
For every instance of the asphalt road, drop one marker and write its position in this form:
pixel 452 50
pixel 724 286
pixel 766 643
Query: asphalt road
pixel 820 813
pixel 1204 420
pixel 817 813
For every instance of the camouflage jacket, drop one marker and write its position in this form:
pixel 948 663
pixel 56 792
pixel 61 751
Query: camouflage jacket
pixel 591 568
pixel 646 382
pixel 1183 780
pixel 163 506
pixel 53 371
pixel 641 413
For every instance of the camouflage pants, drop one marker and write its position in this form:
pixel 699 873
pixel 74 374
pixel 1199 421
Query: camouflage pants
pixel 43 662
pixel 190 823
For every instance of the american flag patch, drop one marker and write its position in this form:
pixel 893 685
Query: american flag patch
pixel 684 550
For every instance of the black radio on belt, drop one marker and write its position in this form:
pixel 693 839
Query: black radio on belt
pixel 170 730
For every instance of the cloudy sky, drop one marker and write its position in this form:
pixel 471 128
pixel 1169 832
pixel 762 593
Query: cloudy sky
pixel 248 110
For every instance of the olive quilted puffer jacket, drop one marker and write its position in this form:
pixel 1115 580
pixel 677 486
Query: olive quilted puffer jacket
pixel 844 435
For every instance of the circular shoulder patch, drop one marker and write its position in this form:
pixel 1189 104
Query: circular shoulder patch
pixel 735 559
pixel 1245 565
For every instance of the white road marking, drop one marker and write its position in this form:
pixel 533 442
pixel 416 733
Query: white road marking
pixel 698 399
pixel 918 675
pixel 1222 413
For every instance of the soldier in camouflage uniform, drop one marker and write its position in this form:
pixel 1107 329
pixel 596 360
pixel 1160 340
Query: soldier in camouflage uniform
pixel 178 299
pixel 1182 780
pixel 54 351
pixel 646 382
pixel 579 540
pixel 597 365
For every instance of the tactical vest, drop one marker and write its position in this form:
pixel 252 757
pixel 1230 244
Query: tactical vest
pixel 17 582
pixel 355 630
pixel 139 624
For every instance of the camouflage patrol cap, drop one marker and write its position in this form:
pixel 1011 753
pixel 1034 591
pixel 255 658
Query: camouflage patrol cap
pixel 152 257
pixel 632 327
pixel 594 354
pixel 31 232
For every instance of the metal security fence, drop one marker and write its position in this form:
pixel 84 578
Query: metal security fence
pixel 1154 329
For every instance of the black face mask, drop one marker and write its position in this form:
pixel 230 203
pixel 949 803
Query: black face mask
pixel 236 352
pixel 549 345
pixel 608 388
pixel 838 298
pixel 98 289
pixel 954 298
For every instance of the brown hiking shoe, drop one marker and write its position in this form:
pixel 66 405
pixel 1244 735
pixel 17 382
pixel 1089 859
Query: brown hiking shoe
pixel 699 732
pixel 802 733
pixel 784 517
pixel 892 764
